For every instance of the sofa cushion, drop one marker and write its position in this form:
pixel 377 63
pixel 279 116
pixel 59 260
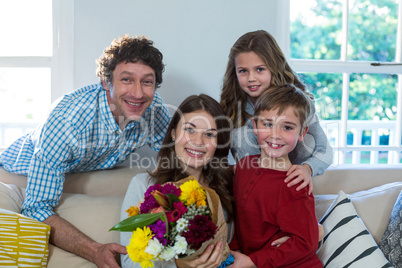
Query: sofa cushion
pixel 353 178
pixel 23 241
pixel 92 215
pixel 374 206
pixel 391 242
pixel 346 240
pixel 11 197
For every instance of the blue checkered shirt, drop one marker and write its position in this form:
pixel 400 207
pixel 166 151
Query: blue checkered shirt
pixel 79 135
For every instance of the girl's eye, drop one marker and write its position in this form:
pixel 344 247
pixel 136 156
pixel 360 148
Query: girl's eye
pixel 189 129
pixel 268 125
pixel 210 134
pixel 125 79
pixel 260 69
pixel 241 71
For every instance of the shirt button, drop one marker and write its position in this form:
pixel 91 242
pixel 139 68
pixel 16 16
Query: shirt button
pixel 251 182
pixel 257 172
pixel 246 191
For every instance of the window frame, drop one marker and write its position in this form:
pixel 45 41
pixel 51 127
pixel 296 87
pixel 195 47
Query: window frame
pixel 346 68
pixel 61 63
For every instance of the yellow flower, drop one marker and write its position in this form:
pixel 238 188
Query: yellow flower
pixel 136 248
pixel 192 193
pixel 132 211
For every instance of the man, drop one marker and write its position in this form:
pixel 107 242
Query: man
pixel 95 127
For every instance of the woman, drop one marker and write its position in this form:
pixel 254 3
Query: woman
pixel 197 143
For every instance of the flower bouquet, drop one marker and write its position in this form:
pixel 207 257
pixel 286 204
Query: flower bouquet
pixel 174 220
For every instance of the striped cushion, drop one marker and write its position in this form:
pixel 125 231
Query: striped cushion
pixel 347 242
pixel 23 241
pixel 391 242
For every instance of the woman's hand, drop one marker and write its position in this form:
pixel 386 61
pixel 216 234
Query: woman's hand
pixel 297 174
pixel 241 261
pixel 212 257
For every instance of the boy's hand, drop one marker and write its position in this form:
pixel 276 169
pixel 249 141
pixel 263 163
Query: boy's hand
pixel 296 174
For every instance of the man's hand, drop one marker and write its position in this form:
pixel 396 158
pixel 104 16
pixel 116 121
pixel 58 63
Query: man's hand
pixel 105 255
pixel 241 261
pixel 297 174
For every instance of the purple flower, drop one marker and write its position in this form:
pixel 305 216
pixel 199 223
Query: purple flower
pixel 170 188
pixel 149 201
pixel 159 229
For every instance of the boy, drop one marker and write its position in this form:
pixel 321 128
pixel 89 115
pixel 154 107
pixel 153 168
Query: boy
pixel 266 209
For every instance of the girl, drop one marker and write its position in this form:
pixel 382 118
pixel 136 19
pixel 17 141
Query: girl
pixel 255 64
pixel 197 144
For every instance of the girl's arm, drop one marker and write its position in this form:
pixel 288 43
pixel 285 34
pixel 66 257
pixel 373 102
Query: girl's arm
pixel 320 148
pixel 322 154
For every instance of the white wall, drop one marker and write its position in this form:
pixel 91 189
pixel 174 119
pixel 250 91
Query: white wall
pixel 194 36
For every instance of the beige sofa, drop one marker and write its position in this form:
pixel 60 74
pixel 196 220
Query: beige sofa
pixel 92 200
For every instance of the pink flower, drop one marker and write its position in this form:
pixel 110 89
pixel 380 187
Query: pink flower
pixel 173 216
pixel 180 207
pixel 157 210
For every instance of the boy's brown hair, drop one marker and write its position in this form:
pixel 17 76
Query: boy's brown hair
pixel 281 97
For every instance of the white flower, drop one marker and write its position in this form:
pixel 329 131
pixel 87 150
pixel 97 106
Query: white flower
pixel 190 251
pixel 154 247
pixel 181 225
pixel 167 254
pixel 180 247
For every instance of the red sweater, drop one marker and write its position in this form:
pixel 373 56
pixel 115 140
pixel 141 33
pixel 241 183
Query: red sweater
pixel 267 209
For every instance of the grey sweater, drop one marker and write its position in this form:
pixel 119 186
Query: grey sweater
pixel 314 150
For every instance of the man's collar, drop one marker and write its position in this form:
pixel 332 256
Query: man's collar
pixel 106 113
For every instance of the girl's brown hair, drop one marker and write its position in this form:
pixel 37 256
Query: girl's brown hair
pixel 233 98
pixel 217 170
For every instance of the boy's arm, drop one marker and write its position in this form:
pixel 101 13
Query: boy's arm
pixel 296 218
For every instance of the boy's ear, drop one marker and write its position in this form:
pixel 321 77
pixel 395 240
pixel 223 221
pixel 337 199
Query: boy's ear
pixel 254 126
pixel 303 133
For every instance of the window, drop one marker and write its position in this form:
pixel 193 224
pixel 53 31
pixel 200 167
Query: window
pixel 30 60
pixel 348 52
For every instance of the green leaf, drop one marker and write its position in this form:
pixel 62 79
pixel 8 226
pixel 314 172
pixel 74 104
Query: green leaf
pixel 172 199
pixel 137 221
